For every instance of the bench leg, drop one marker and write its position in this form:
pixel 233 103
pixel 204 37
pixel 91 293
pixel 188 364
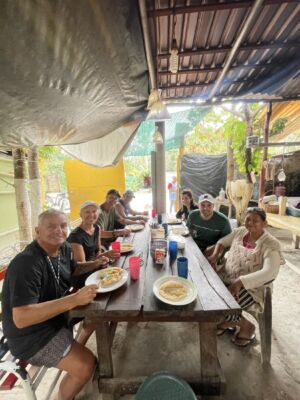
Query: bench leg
pixel 265 328
pixel 22 375
pixel 296 241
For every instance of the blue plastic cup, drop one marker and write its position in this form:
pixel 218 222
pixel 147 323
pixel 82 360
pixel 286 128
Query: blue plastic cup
pixel 165 226
pixel 182 267
pixel 173 250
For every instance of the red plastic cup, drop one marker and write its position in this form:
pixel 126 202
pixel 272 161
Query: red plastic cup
pixel 134 267
pixel 153 212
pixel 116 246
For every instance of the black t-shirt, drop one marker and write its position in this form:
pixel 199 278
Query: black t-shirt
pixel 30 280
pixel 185 212
pixel 90 243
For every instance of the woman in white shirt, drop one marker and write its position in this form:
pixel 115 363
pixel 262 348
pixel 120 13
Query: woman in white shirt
pixel 252 261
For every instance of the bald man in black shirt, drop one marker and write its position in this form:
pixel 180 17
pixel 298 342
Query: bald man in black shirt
pixel 35 310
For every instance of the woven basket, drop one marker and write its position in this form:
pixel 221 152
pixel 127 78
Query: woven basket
pixel 270 208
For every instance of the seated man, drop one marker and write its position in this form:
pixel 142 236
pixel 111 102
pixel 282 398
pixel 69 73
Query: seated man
pixel 206 225
pixel 125 211
pixel 35 308
pixel 111 224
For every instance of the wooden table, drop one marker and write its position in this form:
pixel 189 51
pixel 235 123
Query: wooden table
pixel 287 222
pixel 135 301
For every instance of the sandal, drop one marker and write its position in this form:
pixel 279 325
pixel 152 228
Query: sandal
pixel 243 341
pixel 221 330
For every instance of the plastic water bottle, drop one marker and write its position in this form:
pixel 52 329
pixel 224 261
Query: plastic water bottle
pixel 222 195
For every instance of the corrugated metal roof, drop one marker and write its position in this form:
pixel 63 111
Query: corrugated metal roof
pixel 266 65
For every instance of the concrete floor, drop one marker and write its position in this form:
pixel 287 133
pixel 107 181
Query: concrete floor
pixel 147 347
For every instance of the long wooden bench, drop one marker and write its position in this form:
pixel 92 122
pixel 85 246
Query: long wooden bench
pixel 287 222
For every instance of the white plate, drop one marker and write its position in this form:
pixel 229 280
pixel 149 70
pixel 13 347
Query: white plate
pixel 190 297
pixel 94 280
pixel 174 221
pixel 180 230
pixel 136 227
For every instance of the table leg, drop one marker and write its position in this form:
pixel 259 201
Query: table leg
pixel 210 376
pixel 104 349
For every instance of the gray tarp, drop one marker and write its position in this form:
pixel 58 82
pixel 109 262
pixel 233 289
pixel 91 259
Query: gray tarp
pixel 203 173
pixel 70 71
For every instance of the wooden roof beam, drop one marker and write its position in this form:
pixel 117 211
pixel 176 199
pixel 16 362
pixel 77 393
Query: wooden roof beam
pixel 217 69
pixel 211 7
pixel 202 84
pixel 225 49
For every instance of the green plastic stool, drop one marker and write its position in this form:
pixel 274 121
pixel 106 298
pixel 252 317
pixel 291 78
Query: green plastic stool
pixel 165 386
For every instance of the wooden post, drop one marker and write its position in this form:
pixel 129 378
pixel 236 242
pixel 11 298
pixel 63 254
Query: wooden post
pixel 160 171
pixel 262 179
pixel 22 198
pixel 35 186
pixel 180 155
pixel 153 179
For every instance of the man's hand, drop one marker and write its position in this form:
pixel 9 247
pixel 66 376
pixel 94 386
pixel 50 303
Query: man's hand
pixel 85 295
pixel 235 288
pixel 103 260
pixel 140 221
pixel 113 254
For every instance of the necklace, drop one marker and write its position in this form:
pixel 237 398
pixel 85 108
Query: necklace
pixel 56 276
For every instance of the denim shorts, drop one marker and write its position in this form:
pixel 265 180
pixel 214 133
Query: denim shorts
pixel 52 353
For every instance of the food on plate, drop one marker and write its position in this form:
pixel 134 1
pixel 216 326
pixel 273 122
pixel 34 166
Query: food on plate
pixel 173 290
pixel 135 227
pixel 109 276
pixel 125 247
pixel 158 233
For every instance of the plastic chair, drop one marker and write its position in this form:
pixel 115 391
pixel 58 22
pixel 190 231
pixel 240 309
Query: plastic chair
pixel 165 386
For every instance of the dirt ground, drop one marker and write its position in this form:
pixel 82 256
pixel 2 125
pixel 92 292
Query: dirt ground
pixel 148 347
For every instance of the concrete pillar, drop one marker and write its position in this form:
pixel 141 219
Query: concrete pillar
pixel 160 172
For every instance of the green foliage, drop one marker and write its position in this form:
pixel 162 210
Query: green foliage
pixel 278 126
pixel 171 160
pixel 136 168
pixel 236 129
pixel 53 158
pixel 207 136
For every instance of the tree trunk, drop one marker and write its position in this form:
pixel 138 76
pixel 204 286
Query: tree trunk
pixel 22 198
pixel 240 198
pixel 35 186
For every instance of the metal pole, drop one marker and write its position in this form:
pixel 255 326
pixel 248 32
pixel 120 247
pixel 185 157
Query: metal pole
pixel 145 27
pixel 254 11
